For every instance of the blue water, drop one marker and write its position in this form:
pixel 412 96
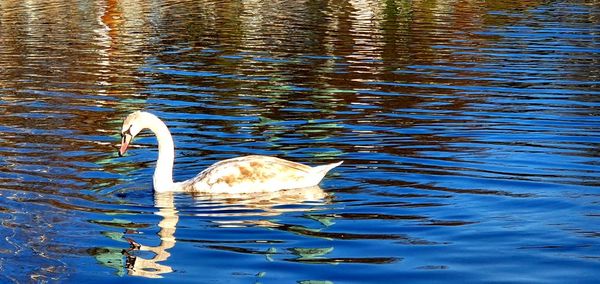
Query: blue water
pixel 469 133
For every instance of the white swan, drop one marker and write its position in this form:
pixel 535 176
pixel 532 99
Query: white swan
pixel 238 175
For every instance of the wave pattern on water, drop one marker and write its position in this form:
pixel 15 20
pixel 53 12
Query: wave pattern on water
pixel 469 131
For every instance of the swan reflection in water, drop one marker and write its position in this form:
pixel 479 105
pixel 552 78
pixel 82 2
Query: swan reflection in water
pixel 269 204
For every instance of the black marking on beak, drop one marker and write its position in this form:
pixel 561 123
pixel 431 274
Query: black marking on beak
pixel 127 132
pixel 124 136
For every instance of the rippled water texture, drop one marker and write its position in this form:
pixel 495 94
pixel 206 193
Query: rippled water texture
pixel 469 130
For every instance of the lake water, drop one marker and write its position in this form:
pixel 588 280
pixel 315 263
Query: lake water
pixel 469 130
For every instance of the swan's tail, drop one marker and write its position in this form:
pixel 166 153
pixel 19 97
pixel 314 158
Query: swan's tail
pixel 319 172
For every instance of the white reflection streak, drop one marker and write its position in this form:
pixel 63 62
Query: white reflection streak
pixel 151 268
pixel 267 202
pixel 103 39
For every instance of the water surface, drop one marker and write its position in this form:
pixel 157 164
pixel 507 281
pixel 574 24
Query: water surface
pixel 469 131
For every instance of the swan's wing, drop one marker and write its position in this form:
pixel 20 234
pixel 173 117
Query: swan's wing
pixel 252 174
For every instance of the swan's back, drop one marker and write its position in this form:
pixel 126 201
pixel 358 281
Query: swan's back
pixel 256 174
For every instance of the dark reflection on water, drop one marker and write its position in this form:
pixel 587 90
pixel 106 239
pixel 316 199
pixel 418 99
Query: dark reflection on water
pixel 469 131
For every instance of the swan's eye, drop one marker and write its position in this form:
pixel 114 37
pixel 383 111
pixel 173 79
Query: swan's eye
pixel 127 132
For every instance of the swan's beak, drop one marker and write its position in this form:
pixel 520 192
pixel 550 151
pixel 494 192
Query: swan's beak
pixel 124 144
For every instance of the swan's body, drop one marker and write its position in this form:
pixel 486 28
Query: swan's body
pixel 238 175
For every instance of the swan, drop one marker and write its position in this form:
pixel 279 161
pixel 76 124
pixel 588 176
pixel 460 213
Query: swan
pixel 254 173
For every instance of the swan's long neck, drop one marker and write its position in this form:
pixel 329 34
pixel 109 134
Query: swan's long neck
pixel 163 174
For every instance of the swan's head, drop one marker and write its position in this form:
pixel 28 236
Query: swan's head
pixel 133 124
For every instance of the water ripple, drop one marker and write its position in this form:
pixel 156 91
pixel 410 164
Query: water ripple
pixel 466 130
